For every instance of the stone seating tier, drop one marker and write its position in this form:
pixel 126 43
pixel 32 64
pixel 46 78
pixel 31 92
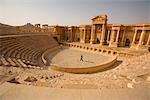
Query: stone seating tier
pixel 24 51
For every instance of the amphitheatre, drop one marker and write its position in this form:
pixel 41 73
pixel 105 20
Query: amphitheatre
pixel 42 62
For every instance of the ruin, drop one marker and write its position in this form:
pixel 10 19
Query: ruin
pixel 116 56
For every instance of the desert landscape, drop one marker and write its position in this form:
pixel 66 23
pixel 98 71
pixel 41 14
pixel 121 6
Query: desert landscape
pixel 100 60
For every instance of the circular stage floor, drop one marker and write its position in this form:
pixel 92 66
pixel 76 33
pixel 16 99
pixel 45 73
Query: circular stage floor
pixel 68 60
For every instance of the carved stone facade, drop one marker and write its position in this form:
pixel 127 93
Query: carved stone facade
pixel 98 29
pixel 85 33
pixel 73 34
pixel 100 32
pixel 117 35
pixel 65 33
pixel 141 38
pixel 135 36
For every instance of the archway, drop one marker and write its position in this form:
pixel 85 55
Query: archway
pixel 56 38
pixel 127 43
pixel 67 38
pixel 97 40
pixel 78 39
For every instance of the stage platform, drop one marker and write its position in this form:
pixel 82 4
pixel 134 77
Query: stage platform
pixel 68 60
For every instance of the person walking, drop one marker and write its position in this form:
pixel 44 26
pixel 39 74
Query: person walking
pixel 81 58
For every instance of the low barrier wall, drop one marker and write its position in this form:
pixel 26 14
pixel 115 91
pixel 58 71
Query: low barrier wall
pixel 46 52
pixel 86 70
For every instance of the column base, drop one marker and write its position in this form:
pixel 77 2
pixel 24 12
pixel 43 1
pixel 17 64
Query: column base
pixel 139 47
pixel 133 46
pixel 113 44
pixel 70 41
pixel 87 41
pixel 92 42
pixel 82 41
pixel 108 42
pixel 122 44
pixel 102 43
pixel 142 47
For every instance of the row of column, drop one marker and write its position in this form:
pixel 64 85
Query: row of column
pixel 140 43
pixel 114 37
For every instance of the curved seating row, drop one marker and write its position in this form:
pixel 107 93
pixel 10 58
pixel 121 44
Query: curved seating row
pixel 24 51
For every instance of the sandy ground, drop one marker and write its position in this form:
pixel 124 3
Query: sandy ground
pixel 130 77
pixel 11 91
pixel 71 58
pixel 129 73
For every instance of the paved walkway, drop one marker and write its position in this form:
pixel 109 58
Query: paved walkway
pixel 10 91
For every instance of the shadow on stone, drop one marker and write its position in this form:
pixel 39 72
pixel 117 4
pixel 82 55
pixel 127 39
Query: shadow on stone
pixel 118 62
pixel 14 81
pixel 30 79
pixel 89 61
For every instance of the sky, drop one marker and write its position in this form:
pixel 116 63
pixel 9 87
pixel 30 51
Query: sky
pixel 149 11
pixel 73 12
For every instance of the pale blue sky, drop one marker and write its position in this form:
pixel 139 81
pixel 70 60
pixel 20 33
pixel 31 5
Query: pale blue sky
pixel 73 12
pixel 149 10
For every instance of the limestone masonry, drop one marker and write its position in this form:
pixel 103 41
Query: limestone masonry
pixel 42 62
pixel 99 32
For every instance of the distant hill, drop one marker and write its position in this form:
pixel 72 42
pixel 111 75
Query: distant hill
pixel 27 28
pixel 8 29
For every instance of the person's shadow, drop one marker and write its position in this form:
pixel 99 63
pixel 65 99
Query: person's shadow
pixel 89 61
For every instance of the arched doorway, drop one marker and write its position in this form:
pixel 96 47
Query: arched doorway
pixel 127 43
pixel 78 39
pixel 98 40
pixel 56 38
pixel 67 39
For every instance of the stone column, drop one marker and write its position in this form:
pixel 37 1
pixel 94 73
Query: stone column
pixel 112 37
pixel 134 37
pixel 133 41
pixel 92 41
pixel 67 38
pixel 66 35
pixel 123 35
pixel 84 34
pixel 81 38
pixel 88 36
pixel 118 31
pixel 102 35
pixel 71 38
pixel 141 39
pixel 71 35
pixel 148 40
pixel 108 36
